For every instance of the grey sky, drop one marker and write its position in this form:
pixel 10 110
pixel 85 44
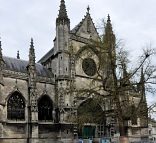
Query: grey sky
pixel 133 20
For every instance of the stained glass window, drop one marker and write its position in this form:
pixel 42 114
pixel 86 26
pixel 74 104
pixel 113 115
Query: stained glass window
pixel 16 107
pixel 45 109
pixel 89 66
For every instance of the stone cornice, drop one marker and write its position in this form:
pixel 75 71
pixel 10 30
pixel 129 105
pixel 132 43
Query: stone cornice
pixel 88 77
pixel 24 76
pixel 13 74
pixel 80 39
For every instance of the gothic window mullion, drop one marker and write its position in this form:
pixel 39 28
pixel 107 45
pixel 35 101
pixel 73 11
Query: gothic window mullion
pixel 45 107
pixel 16 107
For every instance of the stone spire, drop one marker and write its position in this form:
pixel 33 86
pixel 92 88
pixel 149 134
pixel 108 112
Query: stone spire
pixel 62 16
pixel 88 20
pixel 109 37
pixel 142 82
pixel 18 56
pixel 62 40
pixel 142 79
pixel 1 65
pixel 109 30
pixel 62 11
pixel 31 66
pixel 32 53
pixel 125 74
pixel 1 58
pixel 141 87
pixel 1 84
pixel 32 80
pixel 109 41
pixel 108 19
pixel 88 9
pixel 143 102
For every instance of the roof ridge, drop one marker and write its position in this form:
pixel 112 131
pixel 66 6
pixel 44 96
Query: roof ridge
pixel 19 65
pixel 22 60
pixel 15 58
pixel 76 28
pixel 50 52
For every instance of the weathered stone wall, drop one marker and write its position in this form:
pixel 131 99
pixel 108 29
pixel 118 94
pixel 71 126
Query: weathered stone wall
pixel 14 131
pixel 46 89
pixel 13 140
pixel 11 85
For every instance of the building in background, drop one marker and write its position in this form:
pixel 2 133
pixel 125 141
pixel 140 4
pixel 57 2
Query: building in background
pixel 152 130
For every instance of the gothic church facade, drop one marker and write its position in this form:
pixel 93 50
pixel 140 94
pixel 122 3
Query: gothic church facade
pixel 38 102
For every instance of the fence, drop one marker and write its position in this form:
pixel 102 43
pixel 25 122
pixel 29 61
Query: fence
pixel 115 140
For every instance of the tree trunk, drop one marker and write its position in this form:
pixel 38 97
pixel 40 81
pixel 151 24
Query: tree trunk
pixel 123 139
pixel 122 129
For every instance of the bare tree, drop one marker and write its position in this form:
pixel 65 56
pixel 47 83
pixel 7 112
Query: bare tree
pixel 118 82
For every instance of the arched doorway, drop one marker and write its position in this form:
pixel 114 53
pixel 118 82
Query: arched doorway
pixel 90 116
pixel 45 108
pixel 16 107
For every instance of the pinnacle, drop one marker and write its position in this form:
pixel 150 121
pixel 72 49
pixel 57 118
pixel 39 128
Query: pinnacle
pixel 88 9
pixel 109 25
pixel 18 56
pixel 32 53
pixel 62 11
pixel 0 49
pixel 108 18
pixel 142 75
pixel 32 47
pixel 0 44
pixel 32 43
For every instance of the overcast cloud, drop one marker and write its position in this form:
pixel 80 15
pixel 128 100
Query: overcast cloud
pixel 133 20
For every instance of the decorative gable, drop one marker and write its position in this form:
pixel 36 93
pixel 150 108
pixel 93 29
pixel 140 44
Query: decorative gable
pixel 86 28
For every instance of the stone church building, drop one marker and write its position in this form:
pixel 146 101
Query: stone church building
pixel 40 102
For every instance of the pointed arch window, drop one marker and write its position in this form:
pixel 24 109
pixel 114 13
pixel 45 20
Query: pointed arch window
pixel 45 109
pixel 16 107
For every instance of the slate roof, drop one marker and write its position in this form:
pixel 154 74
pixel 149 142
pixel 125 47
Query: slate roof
pixel 47 56
pixel 76 28
pixel 19 65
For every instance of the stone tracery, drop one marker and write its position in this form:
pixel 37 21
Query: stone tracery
pixel 16 107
